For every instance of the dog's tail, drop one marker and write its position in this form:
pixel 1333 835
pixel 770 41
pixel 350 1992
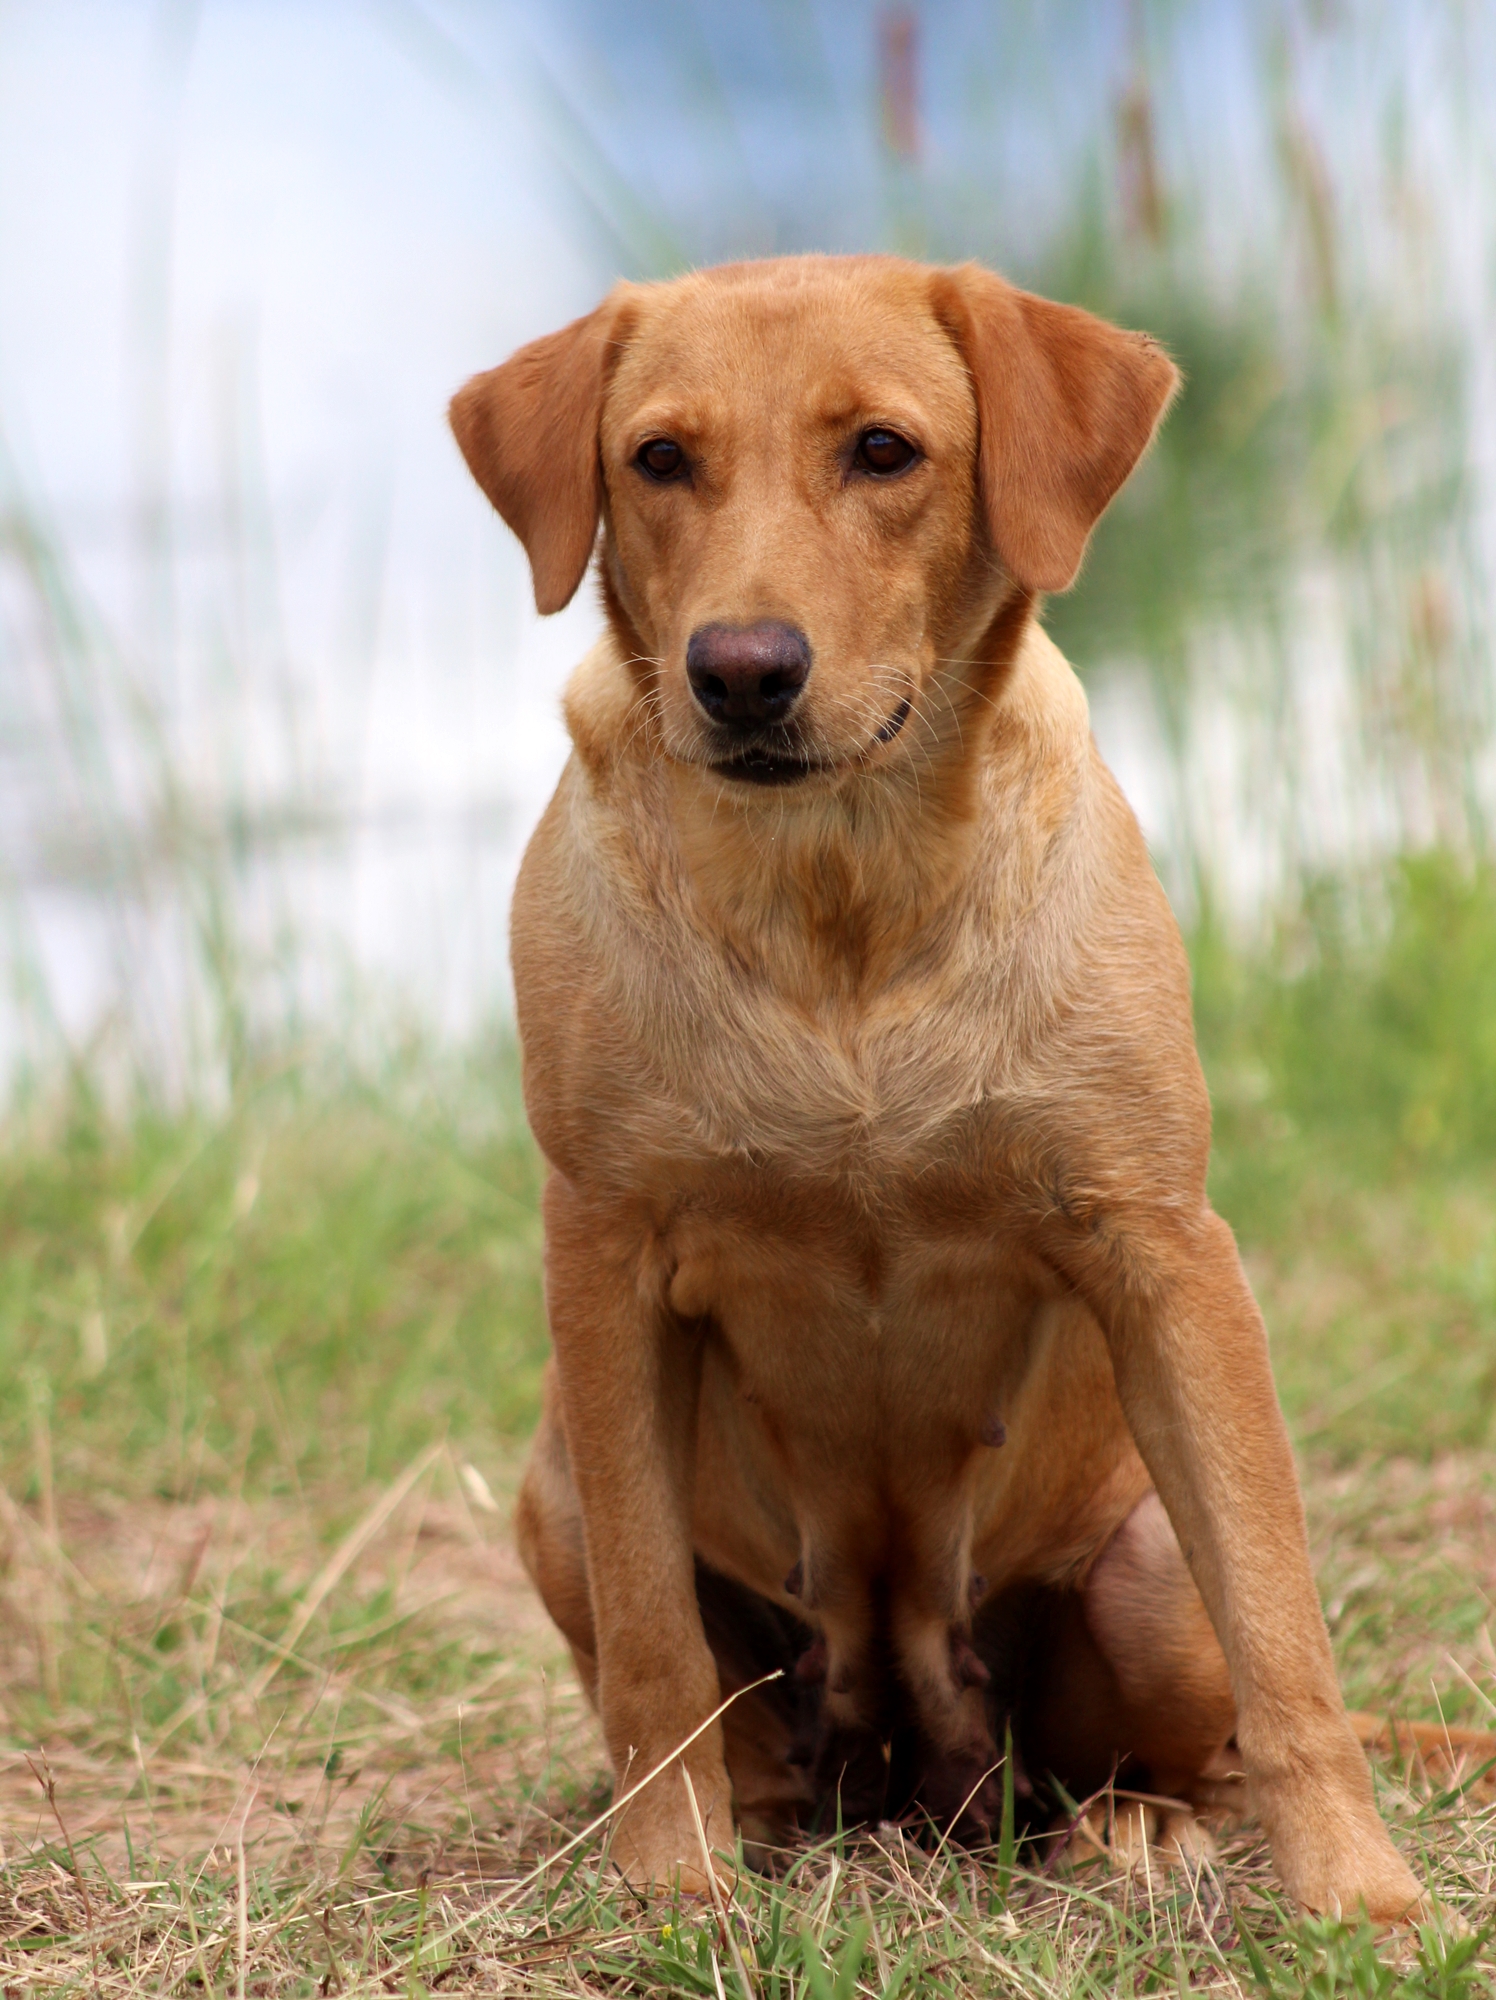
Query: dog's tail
pixel 1434 1744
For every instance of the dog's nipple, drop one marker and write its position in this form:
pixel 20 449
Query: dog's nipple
pixel 967 1666
pixel 994 1431
pixel 794 1583
pixel 811 1665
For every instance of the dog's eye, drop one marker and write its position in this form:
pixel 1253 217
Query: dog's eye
pixel 661 458
pixel 883 451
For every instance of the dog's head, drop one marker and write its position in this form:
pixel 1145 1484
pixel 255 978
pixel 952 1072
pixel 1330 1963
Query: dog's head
pixel 819 480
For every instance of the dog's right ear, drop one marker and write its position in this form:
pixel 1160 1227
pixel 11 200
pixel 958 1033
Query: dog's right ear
pixel 529 433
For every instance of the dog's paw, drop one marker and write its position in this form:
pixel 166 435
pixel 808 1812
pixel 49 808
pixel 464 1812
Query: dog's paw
pixel 665 1869
pixel 1146 1838
pixel 1337 1859
pixel 1382 1888
pixel 664 1849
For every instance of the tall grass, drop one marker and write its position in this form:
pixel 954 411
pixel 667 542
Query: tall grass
pixel 342 1261
pixel 306 1284
pixel 1351 1067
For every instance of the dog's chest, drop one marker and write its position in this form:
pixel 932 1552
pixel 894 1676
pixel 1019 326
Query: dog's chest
pixel 833 1174
pixel 872 1104
pixel 872 1267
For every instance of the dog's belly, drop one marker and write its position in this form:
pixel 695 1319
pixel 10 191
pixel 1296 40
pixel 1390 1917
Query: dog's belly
pixel 898 1419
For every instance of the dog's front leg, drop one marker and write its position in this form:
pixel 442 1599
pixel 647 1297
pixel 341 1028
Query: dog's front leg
pixel 629 1373
pixel 1190 1356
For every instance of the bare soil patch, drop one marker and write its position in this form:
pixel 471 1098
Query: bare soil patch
pixel 300 1743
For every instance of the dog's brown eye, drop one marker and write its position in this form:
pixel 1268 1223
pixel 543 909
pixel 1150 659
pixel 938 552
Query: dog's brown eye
pixel 661 458
pixel 884 451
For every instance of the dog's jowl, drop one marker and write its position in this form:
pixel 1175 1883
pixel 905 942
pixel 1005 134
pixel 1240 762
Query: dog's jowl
pixel 896 1343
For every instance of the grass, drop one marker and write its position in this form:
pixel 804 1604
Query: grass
pixel 264 1383
pixel 1353 1073
pixel 306 1289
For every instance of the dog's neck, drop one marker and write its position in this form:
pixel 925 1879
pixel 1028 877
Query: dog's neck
pixel 828 891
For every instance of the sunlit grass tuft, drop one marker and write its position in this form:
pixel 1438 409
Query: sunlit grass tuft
pixel 306 1287
pixel 1353 1073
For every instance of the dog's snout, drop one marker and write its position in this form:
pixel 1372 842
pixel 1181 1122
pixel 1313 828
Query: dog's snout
pixel 745 675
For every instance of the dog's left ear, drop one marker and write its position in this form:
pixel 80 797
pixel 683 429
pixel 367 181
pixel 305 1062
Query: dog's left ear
pixel 1066 406
pixel 529 433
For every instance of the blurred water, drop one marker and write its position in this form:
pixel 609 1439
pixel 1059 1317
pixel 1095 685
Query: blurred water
pixel 269 675
pixel 275 713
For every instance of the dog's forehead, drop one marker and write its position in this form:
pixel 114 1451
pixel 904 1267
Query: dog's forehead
pixel 839 330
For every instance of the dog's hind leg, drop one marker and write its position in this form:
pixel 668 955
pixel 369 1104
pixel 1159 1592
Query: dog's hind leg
pixel 1128 1682
pixel 548 1531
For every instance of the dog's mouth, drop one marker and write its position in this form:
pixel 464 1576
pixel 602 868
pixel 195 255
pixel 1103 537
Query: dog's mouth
pixel 762 765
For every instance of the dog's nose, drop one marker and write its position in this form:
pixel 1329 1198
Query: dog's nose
pixel 745 675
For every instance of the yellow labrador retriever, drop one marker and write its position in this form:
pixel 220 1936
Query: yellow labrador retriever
pixel 895 1339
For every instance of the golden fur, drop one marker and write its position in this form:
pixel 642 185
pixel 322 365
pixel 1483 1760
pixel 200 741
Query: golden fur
pixel 888 1307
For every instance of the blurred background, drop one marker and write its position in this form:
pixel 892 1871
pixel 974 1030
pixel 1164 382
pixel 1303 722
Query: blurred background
pixel 276 714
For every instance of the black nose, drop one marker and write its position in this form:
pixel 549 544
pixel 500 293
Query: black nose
pixel 745 675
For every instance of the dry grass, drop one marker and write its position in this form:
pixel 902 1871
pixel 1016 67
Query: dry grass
pixel 293 1750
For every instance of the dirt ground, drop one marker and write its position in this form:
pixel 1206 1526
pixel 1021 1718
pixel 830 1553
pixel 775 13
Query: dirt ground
pixel 410 1670
pixel 261 1736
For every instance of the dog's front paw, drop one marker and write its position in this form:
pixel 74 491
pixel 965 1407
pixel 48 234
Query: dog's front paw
pixel 1335 1857
pixel 663 1876
pixel 667 1868
pixel 662 1849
